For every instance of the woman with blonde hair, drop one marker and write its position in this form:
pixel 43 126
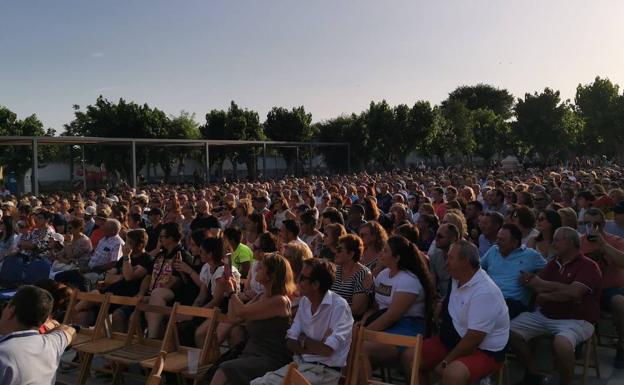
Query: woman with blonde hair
pixel 374 237
pixel 266 318
pixel 457 218
pixel 296 253
pixel 568 217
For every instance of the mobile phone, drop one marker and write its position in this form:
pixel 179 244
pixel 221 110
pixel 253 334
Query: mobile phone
pixel 227 266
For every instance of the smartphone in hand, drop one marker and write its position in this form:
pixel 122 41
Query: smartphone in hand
pixel 227 266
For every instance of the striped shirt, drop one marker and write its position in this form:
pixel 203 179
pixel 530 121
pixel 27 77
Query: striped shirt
pixel 351 286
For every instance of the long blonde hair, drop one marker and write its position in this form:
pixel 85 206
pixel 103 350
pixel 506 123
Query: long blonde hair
pixel 280 273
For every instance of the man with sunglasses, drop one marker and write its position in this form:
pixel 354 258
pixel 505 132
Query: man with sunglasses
pixel 607 250
pixel 320 335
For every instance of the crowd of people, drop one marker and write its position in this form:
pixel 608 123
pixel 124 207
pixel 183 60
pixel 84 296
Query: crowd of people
pixel 478 262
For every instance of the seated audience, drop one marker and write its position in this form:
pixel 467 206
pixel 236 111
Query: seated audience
pixel 568 295
pixel 353 280
pixel 320 335
pixel 504 263
pixel 474 326
pixel 242 256
pixel 266 319
pixel 374 238
pixel 548 221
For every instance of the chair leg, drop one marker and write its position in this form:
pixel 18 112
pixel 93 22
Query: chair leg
pixel 594 348
pixel 85 368
pixel 117 373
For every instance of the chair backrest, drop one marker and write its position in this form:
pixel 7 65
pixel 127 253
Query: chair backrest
pixel 347 372
pixel 294 376
pixel 387 339
pixel 36 270
pixel 135 329
pixel 95 298
pixel 12 272
pixel 122 301
pixel 154 376
pixel 210 349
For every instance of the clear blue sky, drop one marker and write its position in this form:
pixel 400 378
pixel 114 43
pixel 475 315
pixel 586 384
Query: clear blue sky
pixel 331 56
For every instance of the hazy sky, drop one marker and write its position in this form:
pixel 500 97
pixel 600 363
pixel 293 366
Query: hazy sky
pixel 331 56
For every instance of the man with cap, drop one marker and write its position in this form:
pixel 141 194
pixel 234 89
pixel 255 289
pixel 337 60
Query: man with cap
pixel 89 222
pixel 616 226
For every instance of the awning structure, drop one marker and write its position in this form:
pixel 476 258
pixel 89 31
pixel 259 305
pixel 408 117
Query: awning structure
pixel 35 141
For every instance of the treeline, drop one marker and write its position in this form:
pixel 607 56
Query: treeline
pixel 481 120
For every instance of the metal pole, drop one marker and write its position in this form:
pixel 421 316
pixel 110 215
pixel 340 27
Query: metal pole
pixel 134 170
pixel 349 158
pixel 296 160
pixel 84 170
pixel 311 155
pixel 35 167
pixel 207 148
pixel 264 170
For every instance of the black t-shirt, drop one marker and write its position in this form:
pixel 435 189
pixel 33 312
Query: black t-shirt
pixel 152 237
pixel 130 288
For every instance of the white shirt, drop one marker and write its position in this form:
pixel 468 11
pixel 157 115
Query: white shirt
pixel 402 282
pixel 479 305
pixel 30 358
pixel 205 276
pixel 333 313
pixel 107 250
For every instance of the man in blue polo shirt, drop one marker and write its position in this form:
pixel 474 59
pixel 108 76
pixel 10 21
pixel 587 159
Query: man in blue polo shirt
pixel 505 261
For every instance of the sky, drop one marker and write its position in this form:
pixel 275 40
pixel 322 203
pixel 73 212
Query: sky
pixel 331 56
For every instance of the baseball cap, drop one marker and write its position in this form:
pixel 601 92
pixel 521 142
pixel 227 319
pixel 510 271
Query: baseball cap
pixel 90 210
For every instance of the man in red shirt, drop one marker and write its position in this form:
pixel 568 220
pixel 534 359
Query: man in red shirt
pixel 568 297
pixel 607 250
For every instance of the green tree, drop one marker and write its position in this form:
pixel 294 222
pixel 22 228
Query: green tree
pixel 437 142
pixel 491 133
pixel 546 125
pixel 118 120
pixel 459 130
pixel 18 159
pixel 380 124
pixel 293 125
pixel 596 103
pixel 235 124
pixel 484 96
pixel 182 126
pixel 348 129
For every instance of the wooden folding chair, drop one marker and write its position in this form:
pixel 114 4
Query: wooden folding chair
pixel 386 339
pixel 347 372
pixel 294 376
pixel 103 342
pixel 154 376
pixel 85 334
pixel 137 347
pixel 177 360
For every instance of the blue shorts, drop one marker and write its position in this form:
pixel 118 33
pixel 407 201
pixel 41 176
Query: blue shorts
pixel 407 326
pixel 608 294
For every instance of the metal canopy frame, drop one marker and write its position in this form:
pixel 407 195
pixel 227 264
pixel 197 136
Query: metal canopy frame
pixel 35 141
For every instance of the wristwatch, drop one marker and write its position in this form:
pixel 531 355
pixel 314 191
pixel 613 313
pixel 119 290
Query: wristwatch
pixel 125 258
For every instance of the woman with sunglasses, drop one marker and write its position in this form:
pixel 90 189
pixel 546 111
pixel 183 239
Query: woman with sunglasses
pixel 353 281
pixel 548 221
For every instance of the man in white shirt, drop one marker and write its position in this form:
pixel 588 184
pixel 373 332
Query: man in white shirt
pixel 474 324
pixel 27 357
pixel 320 335
pixel 108 250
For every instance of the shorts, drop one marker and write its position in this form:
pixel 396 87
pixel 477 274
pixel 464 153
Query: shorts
pixel 533 324
pixel 479 363
pixel 407 326
pixel 607 296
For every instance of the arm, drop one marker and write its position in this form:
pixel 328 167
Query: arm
pixel 145 285
pixel 132 273
pixel 616 255
pixel 258 310
pixel 563 292
pixel 217 295
pixel 359 302
pixel 245 268
pixel 201 297
pixel 400 303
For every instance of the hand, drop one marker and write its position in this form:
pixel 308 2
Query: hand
pixel 126 249
pixel 328 333
pixel 50 324
pixel 68 237
pixel 525 277
pixel 182 267
pixel 230 285
pixel 439 370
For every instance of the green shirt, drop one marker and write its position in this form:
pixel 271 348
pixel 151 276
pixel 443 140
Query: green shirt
pixel 241 255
